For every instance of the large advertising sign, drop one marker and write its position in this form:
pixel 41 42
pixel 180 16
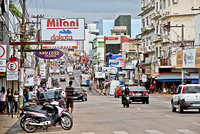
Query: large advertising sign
pixel 49 54
pixel 62 29
pixel 115 63
pixel 188 58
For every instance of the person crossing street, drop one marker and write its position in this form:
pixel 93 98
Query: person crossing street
pixel 69 92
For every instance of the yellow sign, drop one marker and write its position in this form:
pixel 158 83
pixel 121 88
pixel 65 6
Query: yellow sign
pixel 179 58
pixel 2 74
pixel 197 58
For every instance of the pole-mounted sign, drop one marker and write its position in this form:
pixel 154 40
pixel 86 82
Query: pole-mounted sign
pixel 12 70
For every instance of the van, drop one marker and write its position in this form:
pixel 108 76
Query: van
pixel 113 85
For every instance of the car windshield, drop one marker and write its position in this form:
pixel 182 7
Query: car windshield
pixel 192 89
pixel 135 88
pixel 78 89
pixel 49 94
pixel 70 74
pixel 54 78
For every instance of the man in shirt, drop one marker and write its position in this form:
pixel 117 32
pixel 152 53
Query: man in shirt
pixel 69 91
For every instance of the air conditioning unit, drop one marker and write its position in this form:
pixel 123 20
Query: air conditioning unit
pixel 175 1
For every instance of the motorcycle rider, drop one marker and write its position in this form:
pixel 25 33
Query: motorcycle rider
pixel 125 92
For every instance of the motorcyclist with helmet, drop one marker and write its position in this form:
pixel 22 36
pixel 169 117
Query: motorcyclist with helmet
pixel 125 93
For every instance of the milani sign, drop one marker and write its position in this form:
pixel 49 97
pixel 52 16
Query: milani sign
pixel 62 29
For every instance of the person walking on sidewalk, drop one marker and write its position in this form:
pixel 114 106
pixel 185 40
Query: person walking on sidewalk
pixel 69 92
pixel 9 101
pixel 16 100
pixel 2 101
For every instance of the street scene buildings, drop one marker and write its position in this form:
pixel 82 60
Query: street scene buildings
pixel 152 57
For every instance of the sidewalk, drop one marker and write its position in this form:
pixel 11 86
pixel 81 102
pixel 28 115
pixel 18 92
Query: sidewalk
pixel 7 122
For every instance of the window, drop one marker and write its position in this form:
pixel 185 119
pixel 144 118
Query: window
pixel 164 4
pixel 157 29
pixel 179 90
pixel 147 20
pixel 193 89
pixel 112 48
pixel 169 3
pixel 160 28
pixel 156 52
pixel 143 22
pixel 160 52
pixel 160 4
pixel 156 6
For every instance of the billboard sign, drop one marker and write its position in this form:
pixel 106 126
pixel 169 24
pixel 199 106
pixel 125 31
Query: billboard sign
pixel 188 58
pixel 62 29
pixel 62 45
pixel 115 63
pixel 49 54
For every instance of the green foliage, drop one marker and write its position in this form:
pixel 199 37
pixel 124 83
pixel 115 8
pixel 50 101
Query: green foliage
pixel 28 47
pixel 15 10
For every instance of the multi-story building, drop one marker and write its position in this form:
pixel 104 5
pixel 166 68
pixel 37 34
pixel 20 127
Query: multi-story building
pixel 124 20
pixel 167 26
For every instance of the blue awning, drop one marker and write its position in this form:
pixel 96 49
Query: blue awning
pixel 194 77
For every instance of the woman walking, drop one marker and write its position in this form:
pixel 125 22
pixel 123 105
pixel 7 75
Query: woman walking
pixel 9 101
pixel 3 99
pixel 16 100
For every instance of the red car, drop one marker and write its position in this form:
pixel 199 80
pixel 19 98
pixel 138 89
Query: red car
pixel 118 91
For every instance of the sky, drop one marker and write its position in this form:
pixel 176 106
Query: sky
pixel 91 10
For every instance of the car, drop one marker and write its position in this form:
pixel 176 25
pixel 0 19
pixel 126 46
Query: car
pixel 50 95
pixel 80 94
pixel 71 75
pixel 62 78
pixel 139 94
pixel 187 96
pixel 59 89
pixel 118 91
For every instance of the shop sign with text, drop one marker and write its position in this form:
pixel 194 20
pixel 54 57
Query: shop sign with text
pixel 49 54
pixel 62 29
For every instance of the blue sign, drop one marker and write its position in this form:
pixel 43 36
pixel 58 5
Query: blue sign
pixel 114 63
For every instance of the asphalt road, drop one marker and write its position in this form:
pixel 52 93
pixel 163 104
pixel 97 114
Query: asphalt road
pixel 106 115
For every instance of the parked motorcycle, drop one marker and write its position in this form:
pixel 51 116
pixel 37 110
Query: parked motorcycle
pixel 126 101
pixel 38 116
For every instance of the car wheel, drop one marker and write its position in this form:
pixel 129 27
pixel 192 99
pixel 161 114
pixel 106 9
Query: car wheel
pixel 147 102
pixel 173 108
pixel 180 108
pixel 85 99
pixel 143 102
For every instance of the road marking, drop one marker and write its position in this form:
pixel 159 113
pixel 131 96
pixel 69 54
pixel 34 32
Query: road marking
pixel 120 132
pixel 154 132
pixel 168 116
pixel 88 133
pixel 138 108
pixel 196 123
pixel 186 131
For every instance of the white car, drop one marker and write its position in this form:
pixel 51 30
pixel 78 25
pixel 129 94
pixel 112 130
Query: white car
pixel 186 97
pixel 59 89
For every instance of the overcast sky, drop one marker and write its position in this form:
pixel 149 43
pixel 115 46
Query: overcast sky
pixel 91 10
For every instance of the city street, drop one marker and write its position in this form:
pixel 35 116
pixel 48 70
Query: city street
pixel 106 115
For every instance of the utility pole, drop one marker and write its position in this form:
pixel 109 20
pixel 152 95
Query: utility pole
pixel 37 40
pixel 22 53
pixel 182 44
pixel 138 63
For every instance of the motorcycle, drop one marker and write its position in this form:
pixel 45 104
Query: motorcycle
pixel 126 101
pixel 38 116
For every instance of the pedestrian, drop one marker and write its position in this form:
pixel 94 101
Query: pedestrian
pixel 16 100
pixel 69 92
pixel 9 101
pixel 30 95
pixel 2 101
pixel 165 90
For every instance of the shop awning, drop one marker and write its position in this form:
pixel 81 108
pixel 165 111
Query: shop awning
pixel 177 77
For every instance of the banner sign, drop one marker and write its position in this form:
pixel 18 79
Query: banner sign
pixel 115 63
pixel 62 29
pixel 188 58
pixel 62 45
pixel 49 54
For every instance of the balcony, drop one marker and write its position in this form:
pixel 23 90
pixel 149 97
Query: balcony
pixel 156 15
pixel 147 8
pixel 148 29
